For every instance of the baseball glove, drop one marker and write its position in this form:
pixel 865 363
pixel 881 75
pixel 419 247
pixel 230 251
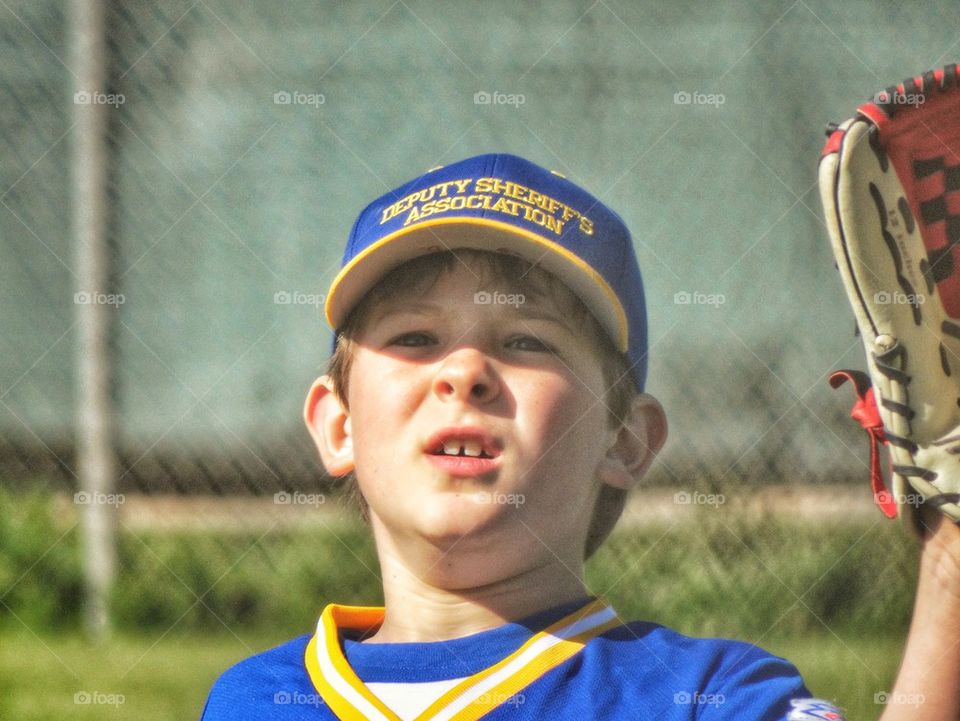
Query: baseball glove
pixel 890 185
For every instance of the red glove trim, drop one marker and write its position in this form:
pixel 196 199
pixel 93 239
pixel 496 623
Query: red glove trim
pixel 866 413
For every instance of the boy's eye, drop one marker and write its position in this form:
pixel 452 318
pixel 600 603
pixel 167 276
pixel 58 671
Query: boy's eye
pixel 412 339
pixel 419 339
pixel 530 343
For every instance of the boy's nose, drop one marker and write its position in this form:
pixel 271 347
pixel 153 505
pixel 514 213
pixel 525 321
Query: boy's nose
pixel 466 376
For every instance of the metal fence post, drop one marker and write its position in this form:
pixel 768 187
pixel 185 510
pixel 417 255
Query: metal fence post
pixel 96 461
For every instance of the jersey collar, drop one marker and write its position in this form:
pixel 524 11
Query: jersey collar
pixel 350 699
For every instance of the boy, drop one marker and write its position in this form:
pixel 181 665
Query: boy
pixel 487 394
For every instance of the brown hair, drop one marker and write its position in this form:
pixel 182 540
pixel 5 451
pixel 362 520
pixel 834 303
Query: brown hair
pixel 419 274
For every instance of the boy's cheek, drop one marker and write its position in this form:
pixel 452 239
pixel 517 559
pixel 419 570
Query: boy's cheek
pixel 569 427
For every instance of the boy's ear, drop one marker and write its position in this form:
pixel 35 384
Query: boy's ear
pixel 329 425
pixel 636 443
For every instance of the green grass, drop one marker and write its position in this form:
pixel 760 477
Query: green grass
pixel 157 677
pixel 167 678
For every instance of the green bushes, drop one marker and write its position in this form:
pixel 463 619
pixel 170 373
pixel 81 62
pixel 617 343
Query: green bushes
pixel 728 575
pixel 718 574
pixel 41 582
pixel 189 580
pixel 212 581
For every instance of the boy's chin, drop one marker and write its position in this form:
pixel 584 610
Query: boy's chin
pixel 448 519
pixel 467 552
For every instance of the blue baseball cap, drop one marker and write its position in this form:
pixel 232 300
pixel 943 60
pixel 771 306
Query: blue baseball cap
pixel 506 204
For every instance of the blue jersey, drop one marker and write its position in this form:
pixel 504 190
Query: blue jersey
pixel 576 661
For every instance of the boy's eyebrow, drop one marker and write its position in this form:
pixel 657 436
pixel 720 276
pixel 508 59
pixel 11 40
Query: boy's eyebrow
pixel 411 306
pixel 537 313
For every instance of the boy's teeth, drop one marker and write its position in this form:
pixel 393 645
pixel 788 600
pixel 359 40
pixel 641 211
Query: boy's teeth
pixel 472 448
pixel 469 447
pixel 451 449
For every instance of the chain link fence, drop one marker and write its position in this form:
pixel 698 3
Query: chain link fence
pixel 243 138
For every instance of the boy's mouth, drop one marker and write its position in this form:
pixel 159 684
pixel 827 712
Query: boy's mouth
pixel 465 448
pixel 463 442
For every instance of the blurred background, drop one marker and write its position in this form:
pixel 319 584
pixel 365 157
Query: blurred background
pixel 226 148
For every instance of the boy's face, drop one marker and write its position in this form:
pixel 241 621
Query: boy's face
pixel 518 383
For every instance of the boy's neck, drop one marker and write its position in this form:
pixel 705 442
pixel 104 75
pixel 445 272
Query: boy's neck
pixel 417 611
